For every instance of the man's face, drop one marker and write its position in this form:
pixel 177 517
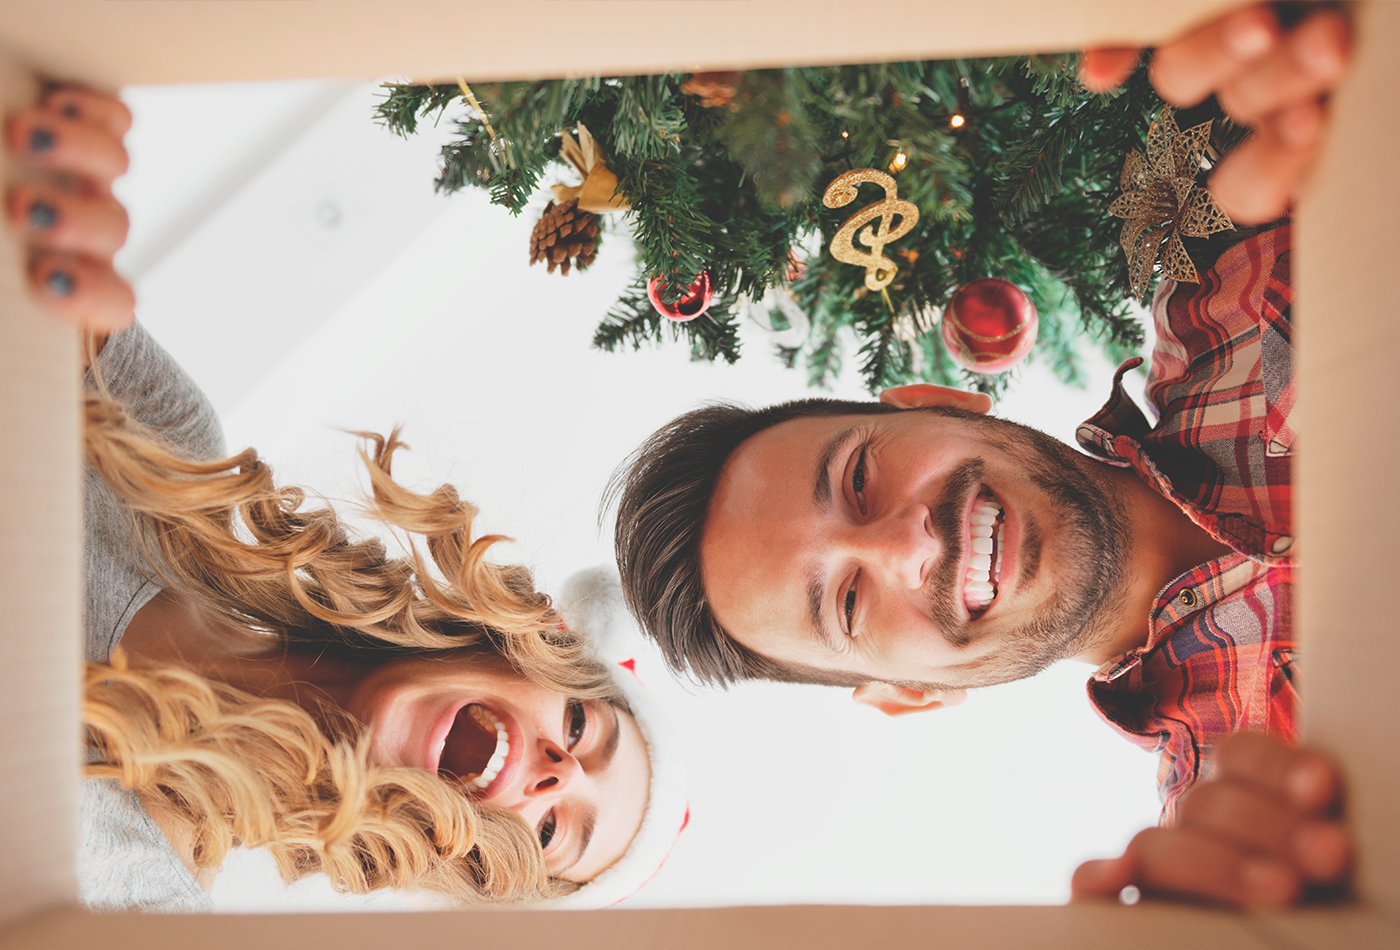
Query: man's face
pixel 844 544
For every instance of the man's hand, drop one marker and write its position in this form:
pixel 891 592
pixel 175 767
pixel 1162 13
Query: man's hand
pixel 1264 76
pixel 1260 833
pixel 68 150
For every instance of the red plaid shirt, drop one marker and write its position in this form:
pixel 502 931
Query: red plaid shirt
pixel 1219 655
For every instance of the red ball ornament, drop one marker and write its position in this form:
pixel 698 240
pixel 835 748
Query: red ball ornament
pixel 697 299
pixel 989 325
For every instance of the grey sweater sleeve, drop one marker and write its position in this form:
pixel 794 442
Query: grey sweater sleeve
pixel 124 861
pixel 141 376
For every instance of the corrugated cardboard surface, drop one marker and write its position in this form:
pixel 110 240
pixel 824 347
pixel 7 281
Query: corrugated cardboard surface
pixel 742 928
pixel 1100 927
pixel 120 42
pixel 39 578
pixel 1349 472
pixel 1350 451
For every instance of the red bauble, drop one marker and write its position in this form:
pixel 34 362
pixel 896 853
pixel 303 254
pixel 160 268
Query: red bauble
pixel 989 325
pixel 697 299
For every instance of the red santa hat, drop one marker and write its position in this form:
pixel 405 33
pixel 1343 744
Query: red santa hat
pixel 591 604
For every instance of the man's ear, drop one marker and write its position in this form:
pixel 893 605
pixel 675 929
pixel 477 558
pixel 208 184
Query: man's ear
pixel 923 395
pixel 898 700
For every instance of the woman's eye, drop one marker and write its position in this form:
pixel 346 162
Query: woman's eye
pixel 577 722
pixel 547 830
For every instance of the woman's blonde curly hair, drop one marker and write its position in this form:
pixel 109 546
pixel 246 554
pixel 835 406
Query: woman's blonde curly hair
pixel 235 767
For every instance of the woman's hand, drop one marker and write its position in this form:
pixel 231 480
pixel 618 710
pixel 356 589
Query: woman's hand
pixel 64 155
pixel 1263 832
pixel 1273 79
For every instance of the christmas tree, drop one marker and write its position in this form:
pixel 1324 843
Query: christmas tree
pixel 1011 164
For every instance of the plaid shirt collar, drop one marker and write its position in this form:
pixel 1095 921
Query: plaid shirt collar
pixel 1218 656
pixel 1199 589
pixel 1221 384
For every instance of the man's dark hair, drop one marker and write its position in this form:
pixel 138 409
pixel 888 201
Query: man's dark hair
pixel 663 497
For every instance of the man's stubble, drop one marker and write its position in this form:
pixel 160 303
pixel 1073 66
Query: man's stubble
pixel 1092 540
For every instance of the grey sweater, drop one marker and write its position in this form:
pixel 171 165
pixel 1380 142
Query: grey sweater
pixel 124 861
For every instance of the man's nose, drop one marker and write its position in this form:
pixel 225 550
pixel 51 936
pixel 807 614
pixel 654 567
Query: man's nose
pixel 901 544
pixel 553 771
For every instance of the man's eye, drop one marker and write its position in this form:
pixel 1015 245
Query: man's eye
pixel 547 830
pixel 577 722
pixel 858 477
pixel 848 607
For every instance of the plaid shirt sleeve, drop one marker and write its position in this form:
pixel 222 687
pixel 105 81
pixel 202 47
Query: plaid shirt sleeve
pixel 1219 655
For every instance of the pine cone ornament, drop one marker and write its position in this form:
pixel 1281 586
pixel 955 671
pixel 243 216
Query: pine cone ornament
pixel 565 237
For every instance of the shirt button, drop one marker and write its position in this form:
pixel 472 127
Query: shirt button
pixel 1283 543
pixel 1187 598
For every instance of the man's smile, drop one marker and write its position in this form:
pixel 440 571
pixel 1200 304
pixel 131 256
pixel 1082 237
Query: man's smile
pixel 987 533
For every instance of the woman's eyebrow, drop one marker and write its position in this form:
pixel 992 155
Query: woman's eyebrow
pixel 589 821
pixel 587 824
pixel 610 744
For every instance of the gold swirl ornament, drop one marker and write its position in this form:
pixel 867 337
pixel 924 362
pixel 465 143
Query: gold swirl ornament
pixel 879 269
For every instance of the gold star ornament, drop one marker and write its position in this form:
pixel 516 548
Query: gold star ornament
pixel 1163 202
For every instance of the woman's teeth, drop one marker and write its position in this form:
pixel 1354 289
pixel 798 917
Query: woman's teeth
pixel 984 566
pixel 489 723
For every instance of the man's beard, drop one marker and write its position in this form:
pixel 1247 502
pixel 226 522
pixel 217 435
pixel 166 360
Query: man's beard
pixel 1092 541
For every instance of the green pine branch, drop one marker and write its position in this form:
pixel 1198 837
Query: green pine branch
pixel 403 105
pixel 633 321
pixel 650 120
pixel 1010 162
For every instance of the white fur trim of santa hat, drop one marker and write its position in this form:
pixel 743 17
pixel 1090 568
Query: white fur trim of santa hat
pixel 591 604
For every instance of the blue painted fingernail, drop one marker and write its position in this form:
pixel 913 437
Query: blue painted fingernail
pixel 40 140
pixel 60 283
pixel 42 216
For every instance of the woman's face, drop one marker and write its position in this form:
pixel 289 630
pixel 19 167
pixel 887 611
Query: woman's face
pixel 577 771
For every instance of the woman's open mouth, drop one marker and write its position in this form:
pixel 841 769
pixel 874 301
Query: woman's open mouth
pixel 983 577
pixel 475 748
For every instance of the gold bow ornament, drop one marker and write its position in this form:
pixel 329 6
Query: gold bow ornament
pixel 598 193
pixel 1163 202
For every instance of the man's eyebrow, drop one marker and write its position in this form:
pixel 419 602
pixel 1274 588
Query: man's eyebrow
pixel 821 496
pixel 816 598
pixel 821 479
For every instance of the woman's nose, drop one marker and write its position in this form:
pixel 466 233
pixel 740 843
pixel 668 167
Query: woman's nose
pixel 902 544
pixel 554 770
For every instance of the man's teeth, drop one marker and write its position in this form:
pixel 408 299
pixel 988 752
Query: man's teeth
pixel 979 587
pixel 489 723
